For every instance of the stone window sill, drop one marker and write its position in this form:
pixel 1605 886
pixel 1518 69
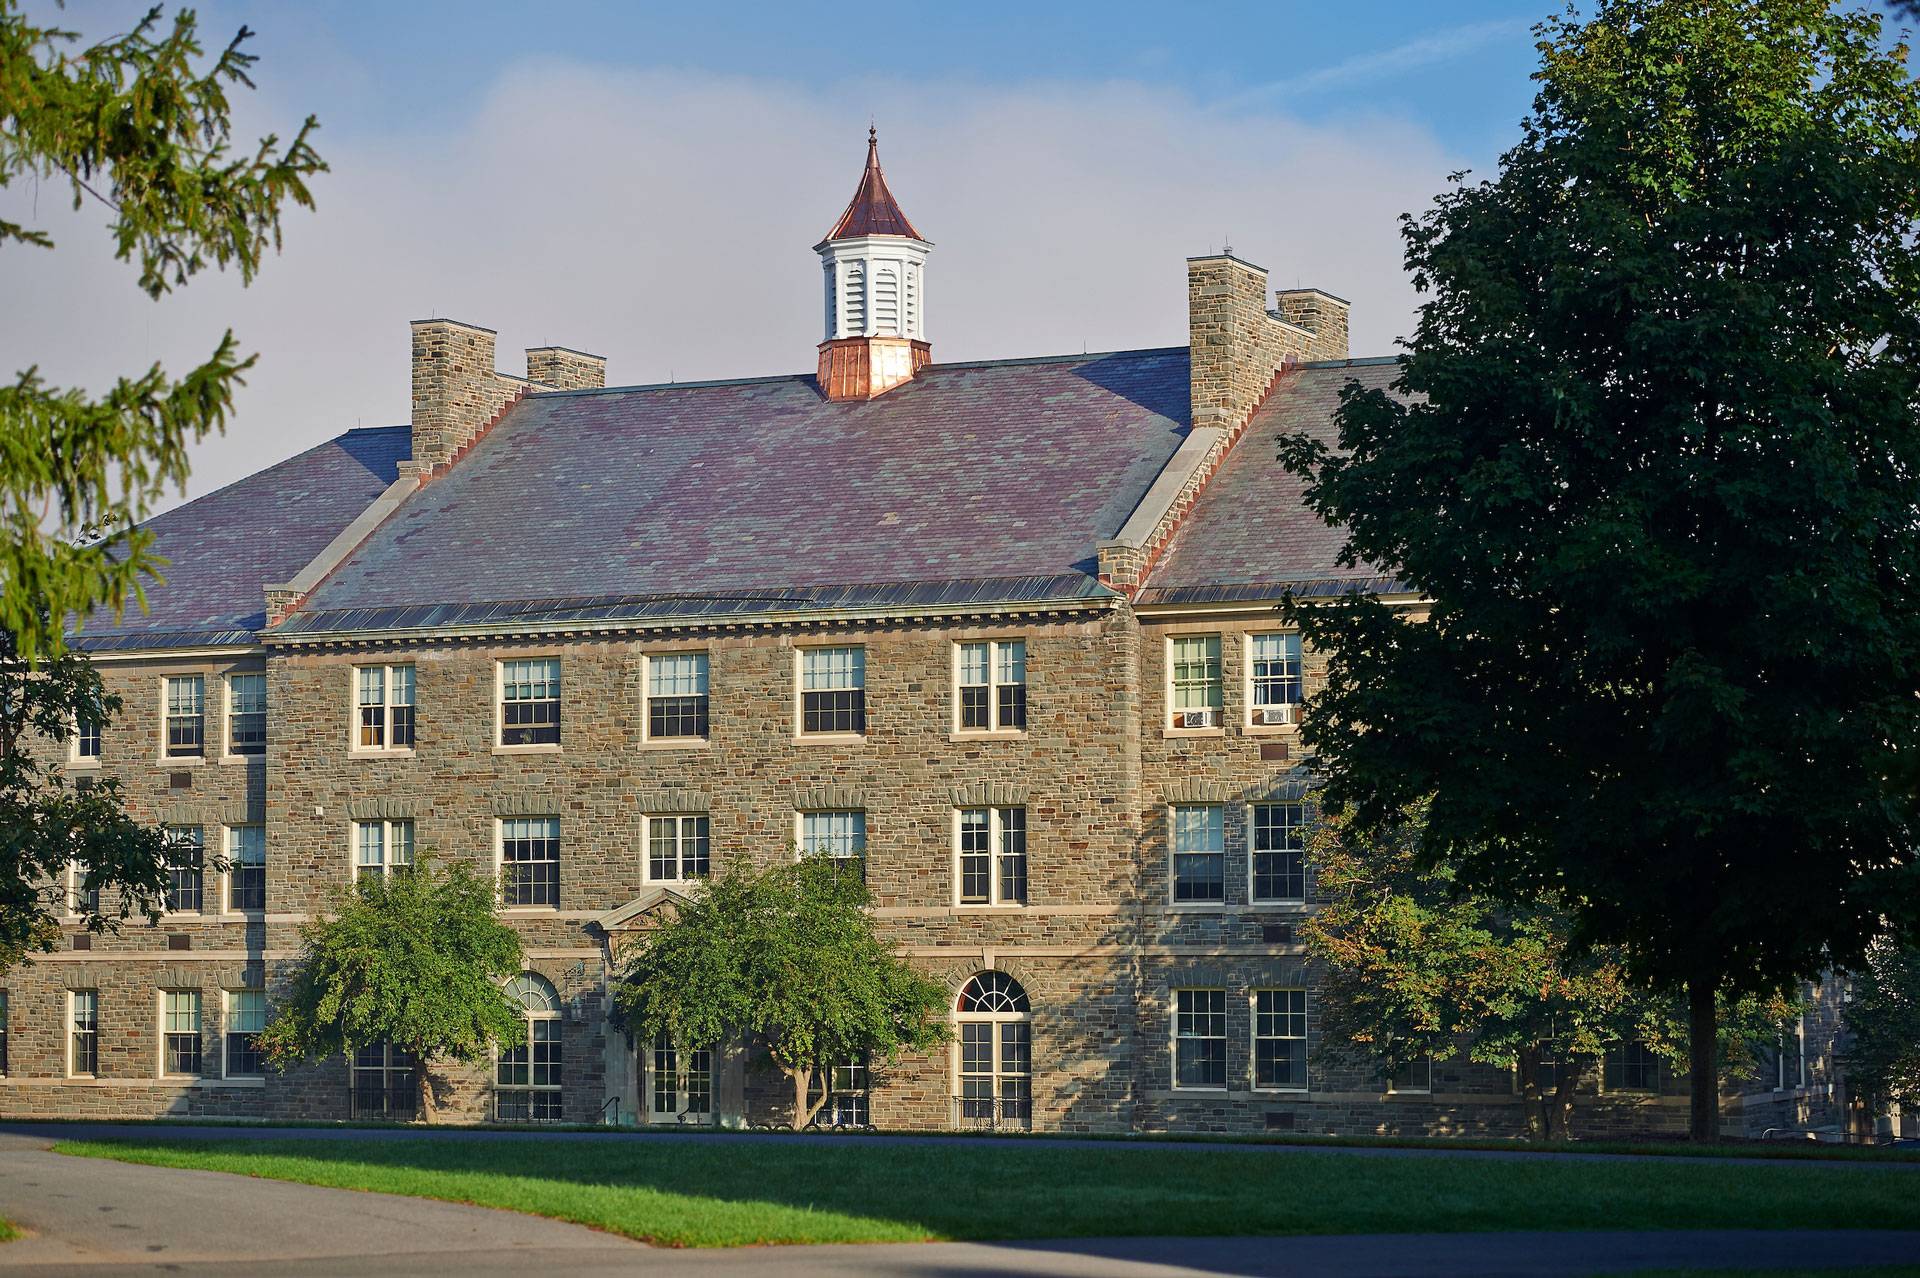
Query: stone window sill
pixel 677 743
pixel 354 752
pixel 1172 734
pixel 538 748
pixel 830 738
pixel 978 734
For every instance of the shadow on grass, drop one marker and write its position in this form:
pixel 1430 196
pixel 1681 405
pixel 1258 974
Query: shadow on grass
pixel 730 1193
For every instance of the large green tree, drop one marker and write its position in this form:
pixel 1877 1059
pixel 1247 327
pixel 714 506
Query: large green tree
pixel 1655 462
pixel 138 125
pixel 784 958
pixel 418 959
pixel 1883 1021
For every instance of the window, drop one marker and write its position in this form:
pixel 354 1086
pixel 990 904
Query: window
pixel 82 897
pixel 993 856
pixel 840 835
pixel 847 1091
pixel 87 738
pixel 677 848
pixel 385 700
pixel 1273 670
pixel 1193 663
pixel 186 868
pixel 1280 1040
pixel 1200 1038
pixel 1279 867
pixel 833 690
pixel 1632 1067
pixel 380 848
pixel 83 1013
pixel 527 1076
pixel 385 1082
pixel 246 1018
pixel 1199 854
pixel 682 1084
pixel 180 1048
pixel 530 702
pixel 993 1053
pixel 246 714
pixel 530 861
pixel 3 1033
pixel 186 716
pixel 1415 1077
pixel 990 684
pixel 247 875
pixel 677 696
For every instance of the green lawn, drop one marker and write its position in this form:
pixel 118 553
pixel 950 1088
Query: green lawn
pixel 728 1193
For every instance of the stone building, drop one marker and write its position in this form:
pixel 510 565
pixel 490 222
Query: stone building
pixel 1005 632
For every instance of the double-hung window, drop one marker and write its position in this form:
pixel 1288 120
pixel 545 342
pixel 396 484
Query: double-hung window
pixel 681 1083
pixel 180 1049
pixel 82 898
pixel 3 1033
pixel 83 1014
pixel 993 856
pixel 247 867
pixel 1199 854
pixel 186 716
pixel 1632 1067
pixel 246 1018
pixel 833 691
pixel 527 1076
pixel 841 836
pixel 530 702
pixel 186 868
pixel 1200 1038
pixel 847 1095
pixel 1273 679
pixel 1193 681
pixel 677 696
pixel 1280 1040
pixel 87 738
pixel 1278 855
pixel 246 714
pixel 990 685
pixel 381 848
pixel 1413 1078
pixel 677 848
pixel 383 696
pixel 530 861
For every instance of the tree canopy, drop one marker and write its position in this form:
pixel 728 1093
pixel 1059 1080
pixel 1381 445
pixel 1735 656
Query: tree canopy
pixel 1883 1059
pixel 417 959
pixel 140 126
pixel 1654 459
pixel 786 957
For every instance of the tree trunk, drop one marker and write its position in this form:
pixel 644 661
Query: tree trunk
pixel 1560 1120
pixel 1529 1067
pixel 1702 1048
pixel 803 1108
pixel 424 1085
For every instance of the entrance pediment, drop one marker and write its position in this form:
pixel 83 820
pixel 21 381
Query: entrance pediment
pixel 641 912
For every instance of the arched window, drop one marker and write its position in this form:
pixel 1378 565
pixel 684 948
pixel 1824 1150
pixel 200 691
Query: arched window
pixel 886 303
pixel 527 1076
pixel 993 1053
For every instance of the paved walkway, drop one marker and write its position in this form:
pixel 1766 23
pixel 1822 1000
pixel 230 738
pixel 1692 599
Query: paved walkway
pixel 89 1216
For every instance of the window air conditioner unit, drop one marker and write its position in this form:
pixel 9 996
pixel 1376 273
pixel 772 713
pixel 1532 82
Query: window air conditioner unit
pixel 1196 718
pixel 1272 716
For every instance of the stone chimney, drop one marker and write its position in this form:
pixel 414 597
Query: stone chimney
pixel 1238 345
pixel 566 369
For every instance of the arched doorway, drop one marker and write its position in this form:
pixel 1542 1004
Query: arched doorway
pixel 526 1079
pixel 993 1053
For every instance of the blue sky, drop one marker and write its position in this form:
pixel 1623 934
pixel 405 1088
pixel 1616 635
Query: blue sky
pixel 645 181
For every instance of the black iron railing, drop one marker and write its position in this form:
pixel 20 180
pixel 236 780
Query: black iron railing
pixel 993 1113
pixel 394 1103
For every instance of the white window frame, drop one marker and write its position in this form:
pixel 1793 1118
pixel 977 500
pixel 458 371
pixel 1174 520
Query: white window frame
pixel 1225 1039
pixel 500 864
pixel 996 850
pixel 1173 856
pixel 228 1001
pixel 202 869
pixel 800 691
pixel 1290 721
pixel 1392 1088
pixel 993 686
pixel 1173 721
pixel 75 872
pixel 998 1076
pixel 228 714
pixel 167 1031
pixel 183 760
pixel 860 834
pixel 75 759
pixel 230 844
pixel 682 1093
pixel 500 745
pixel 647 661
pixel 1258 902
pixel 387 843
pixel 73 1031
pixel 387 706
pixel 524 990
pixel 1254 1038
pixel 680 839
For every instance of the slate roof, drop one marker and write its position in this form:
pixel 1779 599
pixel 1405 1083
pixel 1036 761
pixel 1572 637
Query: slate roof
pixel 873 210
pixel 1250 535
pixel 224 547
pixel 972 483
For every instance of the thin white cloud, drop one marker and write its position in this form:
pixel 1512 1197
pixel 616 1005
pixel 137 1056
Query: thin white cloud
pixel 1434 47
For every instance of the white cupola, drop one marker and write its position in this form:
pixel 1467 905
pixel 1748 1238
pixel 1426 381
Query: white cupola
pixel 874 265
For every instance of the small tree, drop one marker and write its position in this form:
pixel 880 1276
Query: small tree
pixel 785 957
pixel 1883 1060
pixel 417 959
pixel 1417 966
pixel 49 826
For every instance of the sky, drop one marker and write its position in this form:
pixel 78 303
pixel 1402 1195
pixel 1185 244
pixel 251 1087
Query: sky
pixel 646 181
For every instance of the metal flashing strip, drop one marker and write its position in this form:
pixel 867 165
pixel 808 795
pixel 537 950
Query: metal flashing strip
pixel 1270 591
pixel 171 641
pixel 1167 486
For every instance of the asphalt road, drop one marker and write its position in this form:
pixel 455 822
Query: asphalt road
pixel 89 1216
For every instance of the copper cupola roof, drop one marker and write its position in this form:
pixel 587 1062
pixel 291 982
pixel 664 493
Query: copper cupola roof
pixel 873 210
